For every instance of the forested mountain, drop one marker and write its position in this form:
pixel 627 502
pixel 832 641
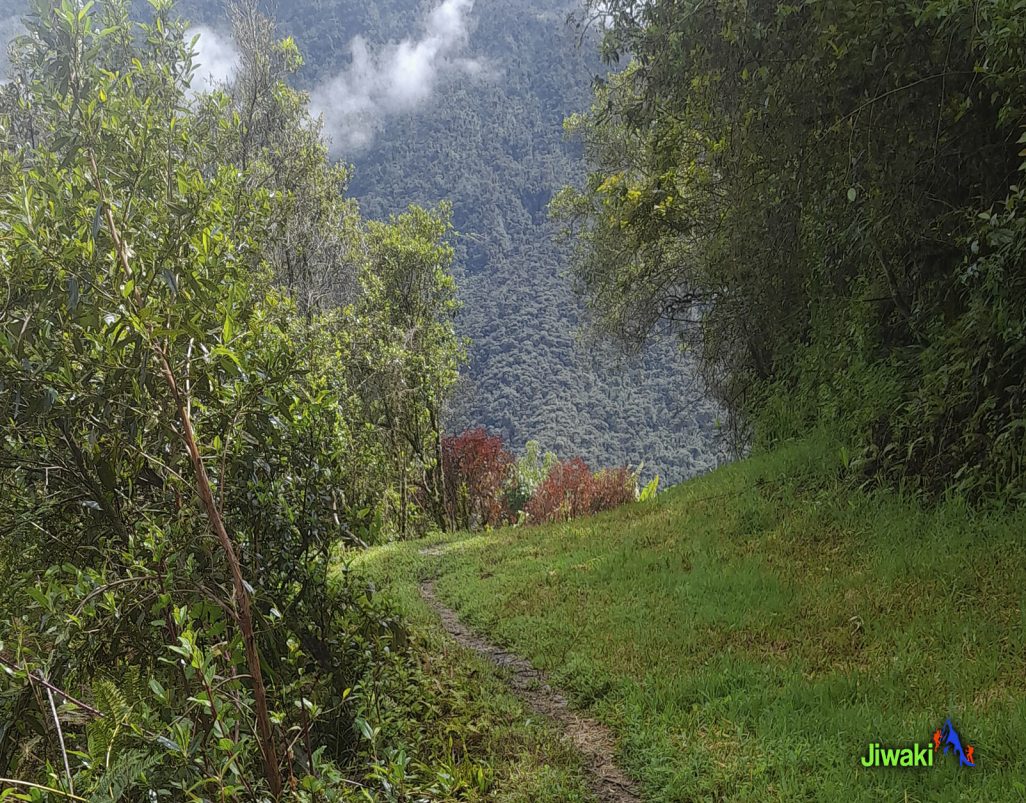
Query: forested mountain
pixel 230 337
pixel 489 140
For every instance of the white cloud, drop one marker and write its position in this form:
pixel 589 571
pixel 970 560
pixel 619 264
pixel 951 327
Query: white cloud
pixel 380 81
pixel 216 59
pixel 392 78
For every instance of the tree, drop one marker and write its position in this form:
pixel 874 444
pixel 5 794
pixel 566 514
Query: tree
pixel 409 285
pixel 477 470
pixel 189 430
pixel 796 190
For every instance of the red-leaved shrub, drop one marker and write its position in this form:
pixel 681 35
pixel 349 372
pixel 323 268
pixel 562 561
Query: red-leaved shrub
pixel 564 494
pixel 476 468
pixel 571 490
pixel 480 482
pixel 611 488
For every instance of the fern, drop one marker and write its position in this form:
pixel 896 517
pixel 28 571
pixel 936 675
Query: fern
pixel 128 769
pixel 103 732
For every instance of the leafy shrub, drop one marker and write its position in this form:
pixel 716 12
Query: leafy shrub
pixel 477 468
pixel 532 468
pixel 571 490
pixel 612 487
pixel 486 486
pixel 650 490
pixel 191 423
pixel 566 493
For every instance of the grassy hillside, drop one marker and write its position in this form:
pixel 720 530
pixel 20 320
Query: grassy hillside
pixel 441 719
pixel 750 632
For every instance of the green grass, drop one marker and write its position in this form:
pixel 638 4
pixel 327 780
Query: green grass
pixel 748 633
pixel 468 736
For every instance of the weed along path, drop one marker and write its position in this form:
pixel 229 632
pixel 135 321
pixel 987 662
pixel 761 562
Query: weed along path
pixel 591 738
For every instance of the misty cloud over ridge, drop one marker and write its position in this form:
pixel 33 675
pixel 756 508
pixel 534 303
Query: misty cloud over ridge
pixel 216 59
pixel 392 78
pixel 380 80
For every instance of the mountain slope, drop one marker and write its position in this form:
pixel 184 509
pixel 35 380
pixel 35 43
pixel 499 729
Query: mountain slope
pixel 485 135
pixel 491 144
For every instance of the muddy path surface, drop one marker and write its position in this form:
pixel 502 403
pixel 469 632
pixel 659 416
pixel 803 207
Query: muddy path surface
pixel 593 740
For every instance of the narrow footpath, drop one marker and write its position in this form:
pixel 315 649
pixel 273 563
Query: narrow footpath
pixel 593 740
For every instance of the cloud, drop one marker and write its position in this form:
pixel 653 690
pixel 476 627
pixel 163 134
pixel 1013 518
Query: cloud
pixel 393 78
pixel 216 60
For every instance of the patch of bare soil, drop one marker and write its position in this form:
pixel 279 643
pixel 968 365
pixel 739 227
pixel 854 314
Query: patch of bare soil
pixel 591 738
pixel 434 551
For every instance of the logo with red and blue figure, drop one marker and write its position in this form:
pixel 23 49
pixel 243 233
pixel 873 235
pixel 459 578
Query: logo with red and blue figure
pixel 949 738
pixel 945 739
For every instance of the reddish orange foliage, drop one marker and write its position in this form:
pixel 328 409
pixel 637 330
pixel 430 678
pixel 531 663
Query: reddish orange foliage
pixel 476 467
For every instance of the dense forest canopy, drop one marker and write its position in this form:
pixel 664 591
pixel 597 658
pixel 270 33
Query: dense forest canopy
pixel 489 140
pixel 826 198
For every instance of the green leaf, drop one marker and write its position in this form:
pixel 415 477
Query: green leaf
pixel 107 477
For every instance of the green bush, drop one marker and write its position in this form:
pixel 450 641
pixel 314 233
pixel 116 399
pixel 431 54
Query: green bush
pixel 213 375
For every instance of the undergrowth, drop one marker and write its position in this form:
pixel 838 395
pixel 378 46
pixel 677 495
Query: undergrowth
pixel 441 722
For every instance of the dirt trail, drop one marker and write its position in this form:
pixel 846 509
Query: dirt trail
pixel 591 738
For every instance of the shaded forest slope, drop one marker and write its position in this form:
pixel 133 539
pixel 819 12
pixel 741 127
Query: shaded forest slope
pixel 491 143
